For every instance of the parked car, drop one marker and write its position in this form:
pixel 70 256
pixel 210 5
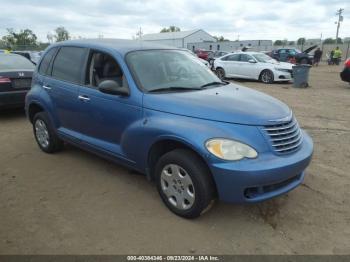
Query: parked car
pixel 294 55
pixel 253 65
pixel 31 56
pixel 15 80
pixel 205 62
pixel 162 113
pixel 203 54
pixel 216 55
pixel 345 74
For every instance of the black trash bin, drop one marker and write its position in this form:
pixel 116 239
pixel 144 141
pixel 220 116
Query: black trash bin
pixel 301 75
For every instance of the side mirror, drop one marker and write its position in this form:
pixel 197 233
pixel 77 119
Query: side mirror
pixel 113 88
pixel 252 61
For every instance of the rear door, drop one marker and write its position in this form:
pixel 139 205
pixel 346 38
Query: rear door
pixel 63 85
pixel 283 55
pixel 231 65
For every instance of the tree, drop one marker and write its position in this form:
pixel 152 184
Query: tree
pixel 220 38
pixel 278 43
pixel 301 41
pixel 171 28
pixel 329 41
pixel 19 40
pixel 61 34
pixel 340 41
pixel 291 43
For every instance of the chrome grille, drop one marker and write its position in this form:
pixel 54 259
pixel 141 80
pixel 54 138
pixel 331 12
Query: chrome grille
pixel 286 137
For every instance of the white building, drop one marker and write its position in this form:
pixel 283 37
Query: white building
pixel 179 39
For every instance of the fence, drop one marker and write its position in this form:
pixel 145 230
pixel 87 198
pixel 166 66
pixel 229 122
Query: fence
pixel 39 47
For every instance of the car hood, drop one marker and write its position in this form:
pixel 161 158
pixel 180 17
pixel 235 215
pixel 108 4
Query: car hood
pixel 283 65
pixel 230 103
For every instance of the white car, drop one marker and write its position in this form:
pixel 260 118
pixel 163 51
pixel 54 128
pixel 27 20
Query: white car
pixel 253 65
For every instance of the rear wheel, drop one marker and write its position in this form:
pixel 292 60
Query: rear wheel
pixel 266 76
pixel 220 72
pixel 184 183
pixel 44 134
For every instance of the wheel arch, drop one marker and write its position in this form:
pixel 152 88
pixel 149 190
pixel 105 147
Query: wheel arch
pixel 266 69
pixel 33 109
pixel 165 145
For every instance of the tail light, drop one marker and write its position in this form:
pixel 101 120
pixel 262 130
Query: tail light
pixel 4 80
pixel 347 63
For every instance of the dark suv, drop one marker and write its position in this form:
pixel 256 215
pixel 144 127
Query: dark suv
pixel 293 55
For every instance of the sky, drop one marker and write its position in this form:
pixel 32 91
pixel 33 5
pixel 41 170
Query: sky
pixel 234 19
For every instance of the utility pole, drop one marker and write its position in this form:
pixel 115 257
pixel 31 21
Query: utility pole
pixel 139 33
pixel 340 19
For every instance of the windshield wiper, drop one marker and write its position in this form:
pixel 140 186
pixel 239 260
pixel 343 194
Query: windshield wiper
pixel 174 88
pixel 214 84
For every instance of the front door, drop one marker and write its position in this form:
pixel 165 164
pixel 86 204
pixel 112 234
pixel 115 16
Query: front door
pixel 105 118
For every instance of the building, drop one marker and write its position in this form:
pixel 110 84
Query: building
pixel 229 46
pixel 179 39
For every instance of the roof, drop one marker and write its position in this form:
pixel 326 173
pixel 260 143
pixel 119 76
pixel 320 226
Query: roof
pixel 122 46
pixel 169 35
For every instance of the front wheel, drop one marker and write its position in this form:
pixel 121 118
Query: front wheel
pixel 266 76
pixel 184 183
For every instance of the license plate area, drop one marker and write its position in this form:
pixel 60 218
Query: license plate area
pixel 21 83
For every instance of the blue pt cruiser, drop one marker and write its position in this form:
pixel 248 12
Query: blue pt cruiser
pixel 162 112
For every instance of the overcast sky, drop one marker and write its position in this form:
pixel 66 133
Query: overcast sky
pixel 250 19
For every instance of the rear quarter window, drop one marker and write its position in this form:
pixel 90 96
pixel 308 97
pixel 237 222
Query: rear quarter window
pixel 69 64
pixel 45 62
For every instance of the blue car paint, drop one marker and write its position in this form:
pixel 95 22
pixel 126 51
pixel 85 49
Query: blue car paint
pixel 124 129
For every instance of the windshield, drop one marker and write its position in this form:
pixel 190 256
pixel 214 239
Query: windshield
pixel 161 69
pixel 263 58
pixel 10 62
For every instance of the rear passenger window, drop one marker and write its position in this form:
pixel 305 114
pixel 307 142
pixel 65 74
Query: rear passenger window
pixel 69 64
pixel 234 57
pixel 45 63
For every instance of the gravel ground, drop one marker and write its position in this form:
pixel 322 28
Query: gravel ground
pixel 77 203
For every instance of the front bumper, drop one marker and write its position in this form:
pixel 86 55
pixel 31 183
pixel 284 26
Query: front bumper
pixel 12 99
pixel 282 76
pixel 268 176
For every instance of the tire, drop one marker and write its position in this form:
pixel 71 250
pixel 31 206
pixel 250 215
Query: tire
pixel 45 135
pixel 266 76
pixel 220 72
pixel 184 183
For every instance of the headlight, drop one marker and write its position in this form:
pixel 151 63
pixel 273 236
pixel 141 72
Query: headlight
pixel 282 69
pixel 229 149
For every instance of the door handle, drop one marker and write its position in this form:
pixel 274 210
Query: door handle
pixel 84 98
pixel 47 87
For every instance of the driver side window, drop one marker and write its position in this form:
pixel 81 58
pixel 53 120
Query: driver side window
pixel 101 67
